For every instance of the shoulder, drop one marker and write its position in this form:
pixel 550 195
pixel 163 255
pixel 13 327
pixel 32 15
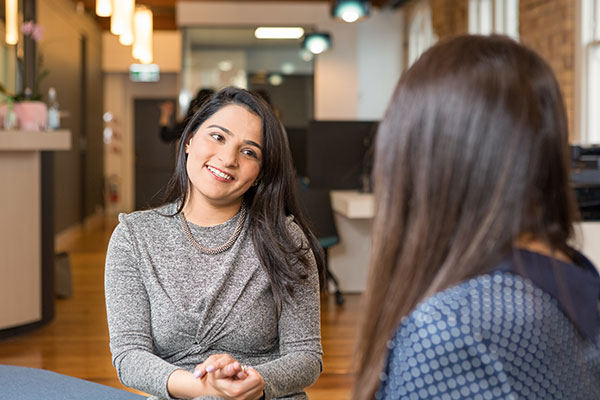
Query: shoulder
pixel 145 222
pixel 295 231
pixel 481 306
pixel 481 331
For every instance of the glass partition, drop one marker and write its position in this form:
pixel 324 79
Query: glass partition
pixel 279 69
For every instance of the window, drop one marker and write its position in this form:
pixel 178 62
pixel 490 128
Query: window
pixel 589 73
pixel 420 34
pixel 494 16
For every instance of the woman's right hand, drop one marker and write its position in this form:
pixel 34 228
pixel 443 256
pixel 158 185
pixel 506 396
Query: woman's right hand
pixel 229 379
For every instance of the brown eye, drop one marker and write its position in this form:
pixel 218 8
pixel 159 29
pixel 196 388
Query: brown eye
pixel 218 137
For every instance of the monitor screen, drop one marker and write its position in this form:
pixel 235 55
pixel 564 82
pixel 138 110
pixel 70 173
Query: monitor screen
pixel 339 154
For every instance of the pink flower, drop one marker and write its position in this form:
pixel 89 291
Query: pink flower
pixel 28 27
pixel 37 33
pixel 31 29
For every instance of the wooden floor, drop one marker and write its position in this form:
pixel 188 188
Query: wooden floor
pixel 75 343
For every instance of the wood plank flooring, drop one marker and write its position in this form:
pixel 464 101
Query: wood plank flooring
pixel 75 343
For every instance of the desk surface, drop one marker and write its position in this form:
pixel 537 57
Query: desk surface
pixel 16 140
pixel 353 204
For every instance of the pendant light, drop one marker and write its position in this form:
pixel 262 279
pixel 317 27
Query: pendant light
pixel 12 33
pixel 121 16
pixel 104 8
pixel 142 45
pixel 350 10
pixel 126 36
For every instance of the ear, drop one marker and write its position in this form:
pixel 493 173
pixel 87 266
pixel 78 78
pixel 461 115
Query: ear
pixel 187 146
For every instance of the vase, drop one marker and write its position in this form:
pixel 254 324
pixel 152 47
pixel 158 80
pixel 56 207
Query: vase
pixel 31 115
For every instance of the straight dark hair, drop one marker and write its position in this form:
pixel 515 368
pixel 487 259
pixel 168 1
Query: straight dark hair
pixel 471 155
pixel 269 203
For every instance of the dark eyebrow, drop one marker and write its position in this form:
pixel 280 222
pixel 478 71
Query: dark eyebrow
pixel 227 131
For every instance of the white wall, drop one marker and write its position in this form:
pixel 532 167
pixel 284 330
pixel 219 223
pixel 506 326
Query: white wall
pixel 379 60
pixel 166 47
pixel 119 95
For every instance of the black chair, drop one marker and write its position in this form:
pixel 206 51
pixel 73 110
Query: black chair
pixel 316 205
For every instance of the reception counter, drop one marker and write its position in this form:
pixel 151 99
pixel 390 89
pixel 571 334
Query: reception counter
pixel 25 298
pixel 353 213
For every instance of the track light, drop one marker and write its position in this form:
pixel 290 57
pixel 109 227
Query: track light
pixel 350 10
pixel 317 42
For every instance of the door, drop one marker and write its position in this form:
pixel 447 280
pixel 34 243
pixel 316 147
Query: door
pixel 154 159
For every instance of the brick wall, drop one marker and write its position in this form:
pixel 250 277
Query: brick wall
pixel 449 17
pixel 548 26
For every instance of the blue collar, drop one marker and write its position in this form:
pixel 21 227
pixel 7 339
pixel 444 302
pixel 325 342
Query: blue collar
pixel 576 287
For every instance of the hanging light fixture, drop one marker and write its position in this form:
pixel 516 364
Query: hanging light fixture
pixel 104 8
pixel 118 19
pixel 317 42
pixel 12 33
pixel 126 36
pixel 142 45
pixel 350 10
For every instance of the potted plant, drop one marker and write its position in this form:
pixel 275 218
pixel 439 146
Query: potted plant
pixel 30 111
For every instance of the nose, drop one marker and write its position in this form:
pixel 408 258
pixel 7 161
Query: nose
pixel 229 156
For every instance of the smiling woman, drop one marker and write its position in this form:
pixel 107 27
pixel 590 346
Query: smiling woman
pixel 216 293
pixel 224 159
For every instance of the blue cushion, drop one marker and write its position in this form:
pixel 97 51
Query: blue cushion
pixel 21 383
pixel 328 241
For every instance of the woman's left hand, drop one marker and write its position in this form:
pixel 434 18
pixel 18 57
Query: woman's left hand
pixel 228 377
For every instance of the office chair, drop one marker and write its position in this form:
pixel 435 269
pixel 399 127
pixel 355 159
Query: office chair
pixel 316 205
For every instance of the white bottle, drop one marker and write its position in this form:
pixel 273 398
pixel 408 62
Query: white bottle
pixel 53 112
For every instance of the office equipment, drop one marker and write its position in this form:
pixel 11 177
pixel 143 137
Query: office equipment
pixel 585 179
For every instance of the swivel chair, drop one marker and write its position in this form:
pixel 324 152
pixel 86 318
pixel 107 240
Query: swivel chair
pixel 316 205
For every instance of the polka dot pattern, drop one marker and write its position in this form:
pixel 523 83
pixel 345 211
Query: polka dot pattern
pixel 496 336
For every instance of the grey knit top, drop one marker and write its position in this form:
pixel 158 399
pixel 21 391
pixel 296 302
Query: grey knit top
pixel 170 306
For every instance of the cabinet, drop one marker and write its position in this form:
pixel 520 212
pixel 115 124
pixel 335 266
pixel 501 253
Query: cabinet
pixel 21 240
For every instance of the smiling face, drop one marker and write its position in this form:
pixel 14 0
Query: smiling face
pixel 225 156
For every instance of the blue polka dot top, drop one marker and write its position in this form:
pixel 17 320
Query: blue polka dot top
pixel 526 330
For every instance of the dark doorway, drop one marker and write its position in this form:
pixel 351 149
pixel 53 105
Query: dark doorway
pixel 154 158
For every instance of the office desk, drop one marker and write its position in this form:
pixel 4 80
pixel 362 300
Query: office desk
pixel 21 223
pixel 349 260
pixel 353 213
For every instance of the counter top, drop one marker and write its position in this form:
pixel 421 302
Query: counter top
pixel 353 204
pixel 15 140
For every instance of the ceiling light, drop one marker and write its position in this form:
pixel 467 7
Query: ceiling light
pixel 126 36
pixel 225 65
pixel 275 79
pixel 142 45
pixel 288 68
pixel 12 33
pixel 350 10
pixel 317 42
pixel 103 8
pixel 278 32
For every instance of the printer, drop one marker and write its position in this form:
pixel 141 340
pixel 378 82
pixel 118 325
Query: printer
pixel 585 180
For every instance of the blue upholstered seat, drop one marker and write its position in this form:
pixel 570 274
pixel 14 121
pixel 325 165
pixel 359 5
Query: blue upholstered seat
pixel 20 383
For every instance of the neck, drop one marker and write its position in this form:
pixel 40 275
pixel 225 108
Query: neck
pixel 206 214
pixel 526 242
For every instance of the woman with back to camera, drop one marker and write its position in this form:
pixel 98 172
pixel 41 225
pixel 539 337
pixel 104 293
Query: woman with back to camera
pixel 478 295
pixel 216 294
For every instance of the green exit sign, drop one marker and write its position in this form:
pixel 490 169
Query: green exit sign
pixel 144 72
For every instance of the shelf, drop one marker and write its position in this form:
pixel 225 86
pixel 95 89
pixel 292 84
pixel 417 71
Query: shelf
pixel 15 140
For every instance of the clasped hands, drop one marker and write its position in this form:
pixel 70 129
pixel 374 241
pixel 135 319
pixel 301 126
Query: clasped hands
pixel 229 378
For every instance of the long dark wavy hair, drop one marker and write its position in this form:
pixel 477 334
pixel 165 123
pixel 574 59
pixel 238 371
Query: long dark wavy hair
pixel 269 203
pixel 472 154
